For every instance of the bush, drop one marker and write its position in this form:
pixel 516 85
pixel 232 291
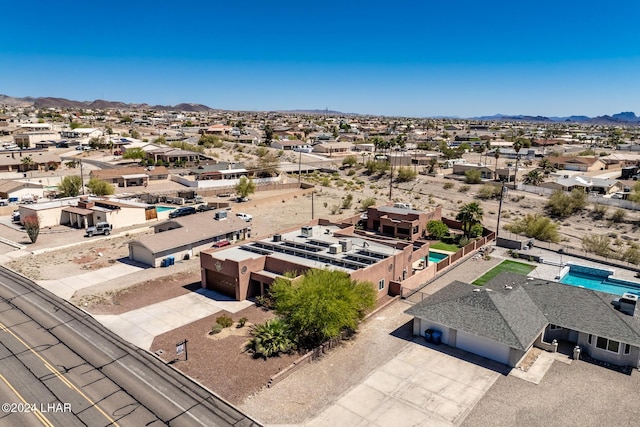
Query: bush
pixel 476 230
pixel 242 321
pixel 366 203
pixel 597 244
pixel 437 229
pixel 537 226
pixel 448 185
pixel 216 329
pixel 464 188
pixel 563 205
pixel 488 191
pixel 346 202
pixel 224 321
pixel 271 339
pixel 618 215
pixel 473 176
pixel 351 172
pixel 464 241
pixel 405 174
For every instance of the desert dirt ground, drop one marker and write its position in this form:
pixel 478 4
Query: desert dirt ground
pixel 221 363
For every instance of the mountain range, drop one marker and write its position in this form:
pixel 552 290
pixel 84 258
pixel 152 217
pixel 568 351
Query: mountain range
pixel 99 104
pixel 619 118
pixel 626 117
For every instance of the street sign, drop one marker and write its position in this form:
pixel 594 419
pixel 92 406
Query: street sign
pixel 179 348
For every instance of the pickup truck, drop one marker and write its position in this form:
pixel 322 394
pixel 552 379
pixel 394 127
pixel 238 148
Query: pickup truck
pixel 100 228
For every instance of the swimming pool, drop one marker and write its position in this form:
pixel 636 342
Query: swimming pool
pixel 164 208
pixel 436 257
pixel 597 279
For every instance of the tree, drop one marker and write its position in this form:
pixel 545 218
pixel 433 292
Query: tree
pixel 245 186
pixel 547 166
pixel 517 146
pixel 268 134
pixel 266 165
pixel 496 155
pixel 270 339
pixel 70 186
pixel 31 223
pixel 537 226
pixel 27 163
pixel 134 134
pixel 136 153
pixel 469 215
pixel 99 187
pixel 533 178
pixel 488 191
pixel 437 229
pixel 322 305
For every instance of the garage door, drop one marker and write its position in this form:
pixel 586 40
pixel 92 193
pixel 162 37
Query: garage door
pixel 482 347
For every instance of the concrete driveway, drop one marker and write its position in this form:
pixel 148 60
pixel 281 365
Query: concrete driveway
pixel 421 386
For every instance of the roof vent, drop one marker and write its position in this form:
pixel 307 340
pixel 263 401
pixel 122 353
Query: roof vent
pixel 476 290
pixel 627 304
pixel 507 287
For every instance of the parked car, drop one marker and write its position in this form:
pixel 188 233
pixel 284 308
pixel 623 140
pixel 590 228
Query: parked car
pixel 15 217
pixel 4 202
pixel 204 208
pixel 100 228
pixel 187 210
pixel 244 216
pixel 221 244
pixel 242 199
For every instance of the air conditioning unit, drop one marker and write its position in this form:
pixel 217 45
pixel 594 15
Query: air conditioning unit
pixel 345 244
pixel 307 231
pixel 277 237
pixel 335 249
pixel 220 215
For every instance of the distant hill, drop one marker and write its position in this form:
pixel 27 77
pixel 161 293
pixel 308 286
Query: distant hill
pixel 625 117
pixel 319 112
pixel 99 104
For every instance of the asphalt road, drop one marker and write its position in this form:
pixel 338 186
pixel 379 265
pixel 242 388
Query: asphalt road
pixel 58 367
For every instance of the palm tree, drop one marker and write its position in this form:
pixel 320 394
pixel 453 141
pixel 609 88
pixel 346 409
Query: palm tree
pixel 497 156
pixel 533 178
pixel 469 215
pixel 27 163
pixel 517 146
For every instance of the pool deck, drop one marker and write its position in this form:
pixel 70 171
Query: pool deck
pixel 550 272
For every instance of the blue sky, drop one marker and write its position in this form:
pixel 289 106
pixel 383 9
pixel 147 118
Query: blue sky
pixel 401 58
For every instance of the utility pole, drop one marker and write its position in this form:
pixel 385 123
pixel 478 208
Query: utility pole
pixel 312 192
pixel 502 191
pixel 299 167
pixel 81 177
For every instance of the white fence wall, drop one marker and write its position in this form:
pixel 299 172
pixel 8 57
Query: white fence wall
pixel 219 183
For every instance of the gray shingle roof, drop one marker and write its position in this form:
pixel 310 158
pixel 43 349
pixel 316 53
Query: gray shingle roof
pixel 514 317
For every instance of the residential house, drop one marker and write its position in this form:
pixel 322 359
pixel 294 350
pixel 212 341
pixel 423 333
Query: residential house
pixel 27 160
pixel 577 163
pixel 21 190
pixel 81 133
pixel 400 223
pixel 173 155
pixel 331 148
pixel 291 144
pixel 131 176
pixel 585 183
pixel 29 139
pixel 485 171
pixel 512 313
pixel 185 237
pixel 219 171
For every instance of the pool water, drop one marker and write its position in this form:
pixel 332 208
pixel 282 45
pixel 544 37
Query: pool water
pixel 436 257
pixel 164 208
pixel 598 280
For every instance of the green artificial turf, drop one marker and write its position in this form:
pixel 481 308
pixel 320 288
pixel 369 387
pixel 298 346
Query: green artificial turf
pixel 444 247
pixel 510 266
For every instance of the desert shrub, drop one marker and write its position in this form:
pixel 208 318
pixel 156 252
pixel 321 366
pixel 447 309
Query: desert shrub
pixel 488 191
pixel 618 215
pixel 224 321
pixel 599 211
pixel 464 188
pixel 271 339
pixel 537 226
pixel 242 321
pixel 563 205
pixel 347 201
pixel 351 172
pixel 216 329
pixel 368 202
pixel 405 174
pixel 472 176
pixel 476 230
pixel 448 185
pixel 597 244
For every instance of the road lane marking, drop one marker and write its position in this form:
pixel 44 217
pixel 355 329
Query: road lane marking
pixel 59 375
pixel 37 413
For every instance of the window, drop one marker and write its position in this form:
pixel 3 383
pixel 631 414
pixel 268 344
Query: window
pixel 609 345
pixel 381 284
pixel 554 327
pixel 589 340
pixel 627 349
